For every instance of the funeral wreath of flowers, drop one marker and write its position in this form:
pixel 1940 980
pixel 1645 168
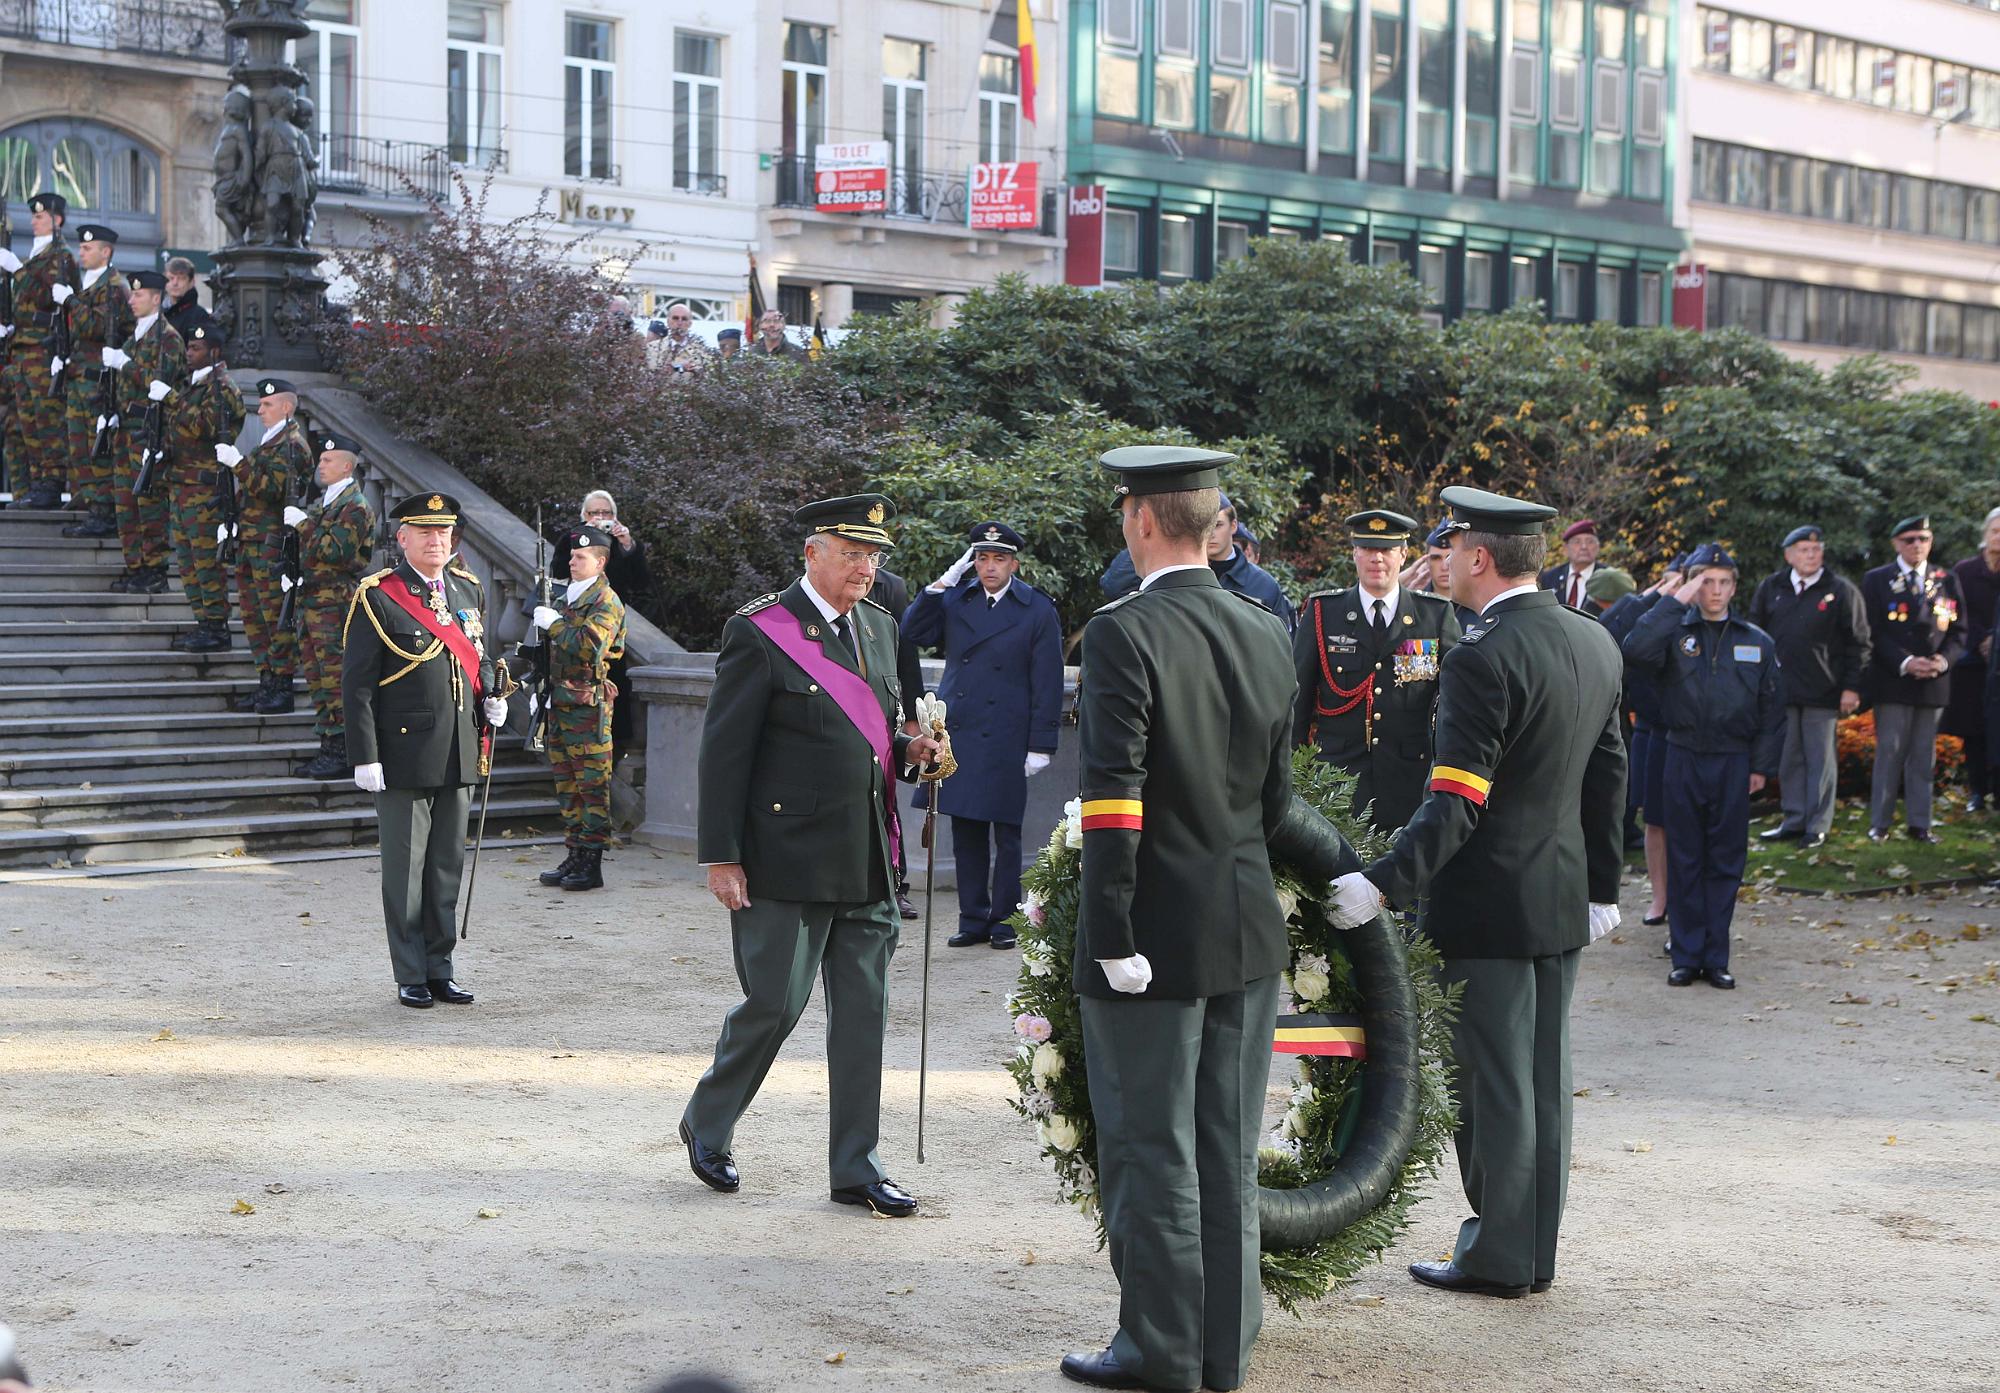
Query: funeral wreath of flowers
pixel 1306 1145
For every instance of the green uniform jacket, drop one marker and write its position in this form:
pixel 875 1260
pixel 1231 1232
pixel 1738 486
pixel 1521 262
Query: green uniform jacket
pixel 100 317
pixel 1184 723
pixel 401 713
pixel 200 416
pixel 788 788
pixel 1523 828
pixel 269 477
pixel 583 643
pixel 335 544
pixel 158 354
pixel 35 308
pixel 1389 751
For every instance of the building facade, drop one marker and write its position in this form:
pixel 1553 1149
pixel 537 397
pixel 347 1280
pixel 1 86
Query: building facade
pixel 1844 195
pixel 115 105
pixel 1502 150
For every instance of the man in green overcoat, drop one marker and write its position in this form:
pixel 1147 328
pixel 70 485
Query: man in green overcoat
pixel 1528 718
pixel 800 751
pixel 1184 722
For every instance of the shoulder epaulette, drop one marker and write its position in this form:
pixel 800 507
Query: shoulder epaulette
pixel 1252 599
pixel 463 574
pixel 1424 597
pixel 374 578
pixel 1479 630
pixel 871 600
pixel 1106 609
pixel 760 603
pixel 1328 594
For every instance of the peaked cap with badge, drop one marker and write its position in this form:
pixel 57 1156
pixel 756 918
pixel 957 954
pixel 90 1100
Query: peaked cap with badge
pixel 1478 510
pixel 995 536
pixel 858 518
pixel 1379 528
pixel 1144 469
pixel 427 510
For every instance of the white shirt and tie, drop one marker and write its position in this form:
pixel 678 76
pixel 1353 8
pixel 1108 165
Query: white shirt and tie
pixel 1380 610
pixel 1579 586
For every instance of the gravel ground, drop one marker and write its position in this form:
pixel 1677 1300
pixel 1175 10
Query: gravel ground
pixel 1790 1186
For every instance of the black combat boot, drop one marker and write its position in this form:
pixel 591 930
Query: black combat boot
pixel 332 762
pixel 43 495
pixel 102 521
pixel 179 642
pixel 589 872
pixel 300 770
pixel 278 701
pixel 123 585
pixel 151 580
pixel 209 638
pixel 561 873
pixel 248 701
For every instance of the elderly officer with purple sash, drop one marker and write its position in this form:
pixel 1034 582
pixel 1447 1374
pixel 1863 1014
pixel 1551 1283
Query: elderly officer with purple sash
pixel 800 751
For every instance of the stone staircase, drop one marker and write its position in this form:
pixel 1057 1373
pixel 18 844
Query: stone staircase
pixel 114 749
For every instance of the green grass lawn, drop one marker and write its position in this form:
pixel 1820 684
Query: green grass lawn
pixel 1849 861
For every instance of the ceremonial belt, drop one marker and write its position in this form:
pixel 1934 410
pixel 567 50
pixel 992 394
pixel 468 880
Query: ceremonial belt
pixel 850 692
pixel 1362 695
pixel 450 635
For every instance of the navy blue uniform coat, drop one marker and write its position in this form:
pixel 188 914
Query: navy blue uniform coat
pixel 1002 687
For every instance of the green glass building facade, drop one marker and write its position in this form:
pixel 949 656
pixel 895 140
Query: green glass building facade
pixel 1501 150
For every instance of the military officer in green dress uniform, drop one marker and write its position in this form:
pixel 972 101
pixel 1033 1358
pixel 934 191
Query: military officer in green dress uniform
pixel 799 753
pixel 1184 723
pixel 417 691
pixel 1528 714
pixel 1367 661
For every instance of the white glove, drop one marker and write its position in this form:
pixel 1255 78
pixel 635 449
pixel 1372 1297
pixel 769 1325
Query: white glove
pixel 157 390
pixel 545 617
pixel 1355 900
pixel 954 573
pixel 200 375
pixel 229 455
pixel 100 423
pixel 1036 764
pixel 496 711
pixel 368 778
pixel 221 533
pixel 56 366
pixel 294 515
pixel 1603 919
pixel 8 261
pixel 930 712
pixel 285 584
pixel 1133 974
pixel 60 293
pixel 6 331
pixel 116 357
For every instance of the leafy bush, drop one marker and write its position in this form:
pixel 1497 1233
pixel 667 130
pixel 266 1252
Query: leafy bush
pixel 1854 756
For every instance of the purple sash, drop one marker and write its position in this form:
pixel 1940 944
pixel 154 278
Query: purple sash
pixel 851 693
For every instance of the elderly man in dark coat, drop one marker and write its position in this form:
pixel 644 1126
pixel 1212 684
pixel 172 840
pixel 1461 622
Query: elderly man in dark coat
pixel 1002 687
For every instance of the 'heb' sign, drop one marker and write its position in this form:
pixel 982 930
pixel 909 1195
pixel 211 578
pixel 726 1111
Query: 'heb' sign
pixel 574 209
pixel 851 177
pixel 1004 195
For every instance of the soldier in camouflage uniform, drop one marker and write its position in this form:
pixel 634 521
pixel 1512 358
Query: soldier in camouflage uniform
pixel 336 540
pixel 37 440
pixel 100 317
pixel 151 367
pixel 268 478
pixel 207 411
pixel 584 635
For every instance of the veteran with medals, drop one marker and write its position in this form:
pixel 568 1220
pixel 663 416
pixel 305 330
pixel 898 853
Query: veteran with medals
pixel 417 692
pixel 1367 662
pixel 800 750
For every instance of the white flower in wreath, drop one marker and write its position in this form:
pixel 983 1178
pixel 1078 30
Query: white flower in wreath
pixel 1038 1103
pixel 1035 957
pixel 1034 909
pixel 1047 1064
pixel 1295 1117
pixel 1310 981
pixel 1058 1132
pixel 1086 1178
pixel 1288 903
pixel 1072 824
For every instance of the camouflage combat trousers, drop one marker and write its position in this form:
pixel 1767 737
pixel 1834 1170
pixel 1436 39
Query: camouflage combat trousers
pixel 322 613
pixel 90 481
pixel 142 521
pixel 579 742
pixel 37 439
pixel 260 560
pixel 196 516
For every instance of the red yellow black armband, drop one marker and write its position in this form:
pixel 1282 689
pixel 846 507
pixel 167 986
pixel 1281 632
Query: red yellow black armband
pixel 1463 782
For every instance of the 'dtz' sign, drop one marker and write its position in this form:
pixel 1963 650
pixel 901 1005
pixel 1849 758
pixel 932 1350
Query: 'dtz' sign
pixel 852 177
pixel 1004 195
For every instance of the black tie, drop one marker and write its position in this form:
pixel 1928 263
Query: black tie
pixel 1381 620
pixel 993 600
pixel 840 631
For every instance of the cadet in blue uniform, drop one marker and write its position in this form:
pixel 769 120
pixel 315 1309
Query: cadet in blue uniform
pixel 1235 570
pixel 1002 685
pixel 1647 747
pixel 1722 707
pixel 1367 662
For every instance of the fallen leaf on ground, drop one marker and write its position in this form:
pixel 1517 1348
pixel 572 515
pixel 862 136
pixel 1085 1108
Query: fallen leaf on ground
pixel 243 1207
pixel 1638 1146
pixel 276 1187
pixel 899 1291
pixel 1890 1140
pixel 1029 1260
pixel 1364 1299
pixel 838 1356
pixel 165 1034
pixel 489 1213
pixel 1580 1093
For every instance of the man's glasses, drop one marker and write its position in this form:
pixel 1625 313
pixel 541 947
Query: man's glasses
pixel 871 559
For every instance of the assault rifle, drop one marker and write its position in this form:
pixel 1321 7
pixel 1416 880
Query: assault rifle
pixel 291 561
pixel 61 345
pixel 537 653
pixel 227 496
pixel 152 447
pixel 102 448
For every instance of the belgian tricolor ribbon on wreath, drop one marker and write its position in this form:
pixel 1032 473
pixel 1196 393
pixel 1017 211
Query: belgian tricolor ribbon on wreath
pixel 1338 1036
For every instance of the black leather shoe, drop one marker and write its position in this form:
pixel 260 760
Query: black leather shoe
pixel 1779 834
pixel 1878 834
pixel 1924 834
pixel 1002 937
pixel 966 940
pixel 1681 976
pixel 447 990
pixel 1813 842
pixel 1653 921
pixel 884 1197
pixel 903 905
pixel 1541 1284
pixel 1446 1277
pixel 419 997
pixel 1100 1370
pixel 711 1168
pixel 1720 979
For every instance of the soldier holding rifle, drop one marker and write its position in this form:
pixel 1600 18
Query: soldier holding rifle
pixel 582 639
pixel 100 317
pixel 37 443
pixel 206 412
pixel 336 534
pixel 265 480
pixel 151 365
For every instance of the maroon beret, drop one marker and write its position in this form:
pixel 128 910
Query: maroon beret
pixel 1579 528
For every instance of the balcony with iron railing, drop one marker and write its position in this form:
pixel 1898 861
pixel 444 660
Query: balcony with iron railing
pixel 405 170
pixel 933 196
pixel 189 29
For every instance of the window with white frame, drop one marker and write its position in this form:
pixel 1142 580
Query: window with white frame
pixel 697 112
pixel 1232 241
pixel 1174 41
pixel 1176 246
pixel 904 88
pixel 1121 241
pixel 1118 59
pixel 999 106
pixel 1478 281
pixel 1284 71
pixel 803 114
pixel 588 70
pixel 1524 94
pixel 329 57
pixel 474 58
pixel 1229 68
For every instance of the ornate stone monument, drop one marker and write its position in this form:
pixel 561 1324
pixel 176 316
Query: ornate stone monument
pixel 269 295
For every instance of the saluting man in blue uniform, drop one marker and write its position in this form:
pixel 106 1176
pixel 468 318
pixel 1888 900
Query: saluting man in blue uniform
pixel 1722 707
pixel 1002 684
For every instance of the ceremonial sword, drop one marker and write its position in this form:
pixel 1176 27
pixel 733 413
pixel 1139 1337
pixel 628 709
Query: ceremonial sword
pixel 930 715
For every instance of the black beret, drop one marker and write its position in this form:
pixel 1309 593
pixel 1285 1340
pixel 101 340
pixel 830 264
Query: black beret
pixel 146 280
pixel 1808 533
